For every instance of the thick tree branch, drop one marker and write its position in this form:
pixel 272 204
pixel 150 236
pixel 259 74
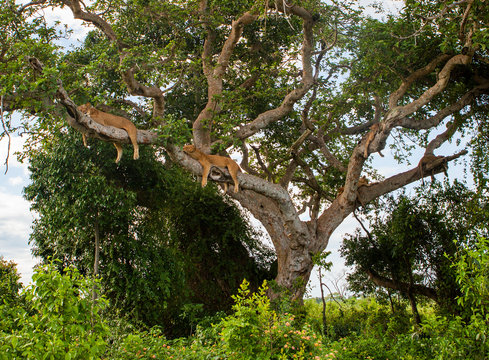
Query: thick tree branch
pixel 202 126
pixel 297 231
pixel 418 74
pixel 395 116
pixel 434 120
pixel 401 286
pixel 78 13
pixel 399 112
pixel 374 190
pixel 344 205
pixel 266 118
pixel 86 125
pixel 441 138
pixel 134 87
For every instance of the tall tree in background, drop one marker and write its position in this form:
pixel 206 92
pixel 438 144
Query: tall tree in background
pixel 306 91
pixel 159 237
pixel 412 243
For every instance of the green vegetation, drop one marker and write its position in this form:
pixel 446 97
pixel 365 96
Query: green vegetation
pixel 58 320
pixel 305 92
pixel 139 261
pixel 411 242
pixel 106 219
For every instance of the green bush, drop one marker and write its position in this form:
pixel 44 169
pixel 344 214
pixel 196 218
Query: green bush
pixel 11 301
pixel 256 331
pixel 60 322
pixel 357 316
pixel 57 319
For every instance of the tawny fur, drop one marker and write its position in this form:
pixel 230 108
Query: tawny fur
pixel 119 122
pixel 363 181
pixel 370 136
pixel 208 160
pixel 427 159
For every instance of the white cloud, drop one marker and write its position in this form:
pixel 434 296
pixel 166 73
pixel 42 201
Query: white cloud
pixel 15 227
pixel 390 7
pixel 25 264
pixel 65 17
pixel 16 180
pixel 15 216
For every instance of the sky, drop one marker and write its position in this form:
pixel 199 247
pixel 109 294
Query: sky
pixel 16 218
pixel 15 215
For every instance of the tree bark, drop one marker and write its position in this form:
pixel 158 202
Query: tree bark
pixel 414 307
pixel 403 287
pixel 96 261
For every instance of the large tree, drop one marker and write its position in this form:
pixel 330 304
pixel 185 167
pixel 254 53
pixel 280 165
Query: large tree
pixel 294 86
pixel 412 243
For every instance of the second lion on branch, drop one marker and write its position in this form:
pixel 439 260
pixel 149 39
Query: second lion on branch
pixel 207 161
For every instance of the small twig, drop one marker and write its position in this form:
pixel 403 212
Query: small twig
pixel 103 12
pixel 6 131
pixel 427 20
pixel 261 163
pixel 363 227
pixel 331 294
pixel 33 3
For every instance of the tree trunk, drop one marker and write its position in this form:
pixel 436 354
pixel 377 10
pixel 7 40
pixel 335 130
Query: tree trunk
pixel 293 241
pixel 96 258
pixel 414 307
pixel 323 312
pixel 294 271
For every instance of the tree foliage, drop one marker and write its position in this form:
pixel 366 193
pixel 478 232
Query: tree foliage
pixel 9 281
pixel 412 242
pixel 162 243
pixel 59 320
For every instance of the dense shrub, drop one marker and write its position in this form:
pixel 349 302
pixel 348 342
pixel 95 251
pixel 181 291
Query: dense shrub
pixel 255 331
pixel 60 320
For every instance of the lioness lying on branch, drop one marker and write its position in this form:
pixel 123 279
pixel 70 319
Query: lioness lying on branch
pixel 208 160
pixel 119 122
